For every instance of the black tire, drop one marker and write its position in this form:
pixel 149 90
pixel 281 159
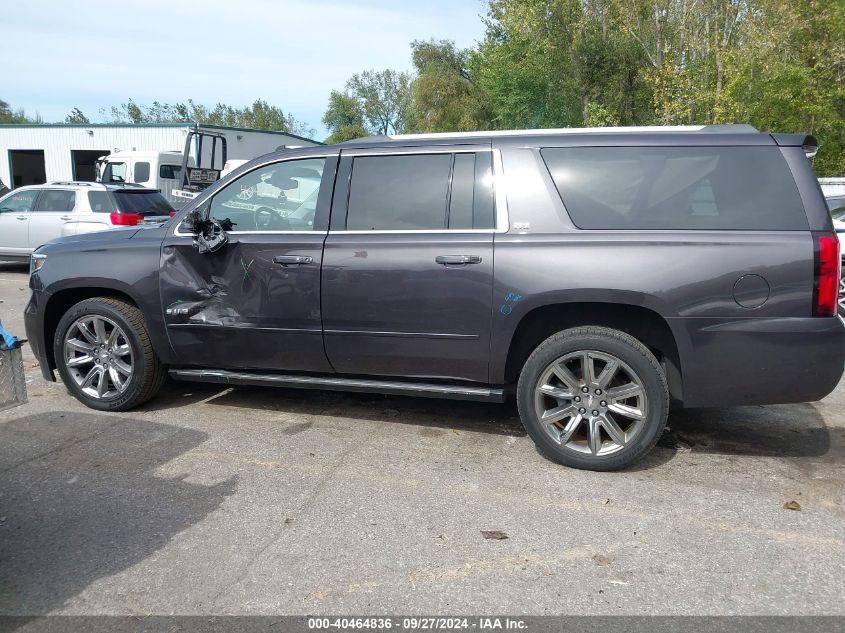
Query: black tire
pixel 148 374
pixel 612 343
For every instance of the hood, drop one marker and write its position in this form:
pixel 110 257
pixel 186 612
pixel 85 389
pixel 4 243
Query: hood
pixel 92 239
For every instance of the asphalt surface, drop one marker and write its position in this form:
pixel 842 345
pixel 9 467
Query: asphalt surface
pixel 271 501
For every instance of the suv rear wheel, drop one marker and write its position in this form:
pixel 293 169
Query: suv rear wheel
pixel 593 398
pixel 104 355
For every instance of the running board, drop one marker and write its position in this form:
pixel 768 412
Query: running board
pixel 425 390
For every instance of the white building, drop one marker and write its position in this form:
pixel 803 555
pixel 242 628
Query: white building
pixel 33 154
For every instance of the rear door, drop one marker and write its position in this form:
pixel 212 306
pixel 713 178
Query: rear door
pixel 15 212
pixel 52 216
pixel 408 263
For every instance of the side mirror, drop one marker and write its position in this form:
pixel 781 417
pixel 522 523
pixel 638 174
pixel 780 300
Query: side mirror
pixel 209 236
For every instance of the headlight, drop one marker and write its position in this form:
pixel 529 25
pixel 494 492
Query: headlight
pixel 37 262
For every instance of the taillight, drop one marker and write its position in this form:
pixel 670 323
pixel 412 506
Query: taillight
pixel 828 270
pixel 126 219
pixel 172 213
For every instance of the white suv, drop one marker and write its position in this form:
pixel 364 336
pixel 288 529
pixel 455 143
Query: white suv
pixel 34 215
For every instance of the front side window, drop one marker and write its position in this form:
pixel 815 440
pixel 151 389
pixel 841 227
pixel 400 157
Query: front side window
pixel 418 192
pixel 114 172
pixel 276 197
pixel 677 188
pixel 18 201
pixel 56 200
pixel 142 172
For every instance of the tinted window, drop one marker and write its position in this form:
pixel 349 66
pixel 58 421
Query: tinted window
pixel 142 172
pixel 738 188
pixel 56 200
pixel 276 197
pixel 100 202
pixel 398 192
pixel 835 203
pixel 471 195
pixel 171 172
pixel 142 202
pixel 18 202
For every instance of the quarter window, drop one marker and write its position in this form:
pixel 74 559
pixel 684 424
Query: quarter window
pixel 100 202
pixel 277 197
pixel 18 201
pixel 56 200
pixel 677 188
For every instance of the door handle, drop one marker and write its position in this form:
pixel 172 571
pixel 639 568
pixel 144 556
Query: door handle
pixel 292 260
pixel 66 217
pixel 457 260
pixel 22 217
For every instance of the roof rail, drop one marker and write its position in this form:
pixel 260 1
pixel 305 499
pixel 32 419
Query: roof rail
pixel 75 183
pixel 741 128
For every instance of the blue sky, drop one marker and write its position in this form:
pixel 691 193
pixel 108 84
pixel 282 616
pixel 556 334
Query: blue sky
pixel 61 54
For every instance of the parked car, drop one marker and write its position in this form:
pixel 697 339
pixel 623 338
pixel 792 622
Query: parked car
pixel 595 275
pixel 34 215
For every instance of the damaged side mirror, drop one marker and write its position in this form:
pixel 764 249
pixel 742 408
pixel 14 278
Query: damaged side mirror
pixel 209 236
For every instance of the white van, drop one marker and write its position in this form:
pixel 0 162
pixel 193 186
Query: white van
pixel 156 170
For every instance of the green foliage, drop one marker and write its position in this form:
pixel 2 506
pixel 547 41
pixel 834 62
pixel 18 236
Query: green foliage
pixel 76 116
pixel 777 64
pixel 7 115
pixel 344 118
pixel 260 115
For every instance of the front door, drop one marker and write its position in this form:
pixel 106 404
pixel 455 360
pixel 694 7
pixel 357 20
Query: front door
pixel 15 211
pixel 255 303
pixel 408 264
pixel 55 208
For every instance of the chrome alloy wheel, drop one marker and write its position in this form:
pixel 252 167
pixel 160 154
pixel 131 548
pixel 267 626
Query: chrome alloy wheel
pixel 591 402
pixel 98 356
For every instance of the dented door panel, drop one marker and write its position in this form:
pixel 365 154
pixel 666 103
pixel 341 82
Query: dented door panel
pixel 239 308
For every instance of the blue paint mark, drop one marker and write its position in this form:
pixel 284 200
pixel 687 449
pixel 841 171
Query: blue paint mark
pixel 507 307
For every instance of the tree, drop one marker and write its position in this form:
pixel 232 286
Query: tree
pixel 384 98
pixel 446 95
pixel 344 118
pixel 260 115
pixel 76 116
pixel 7 115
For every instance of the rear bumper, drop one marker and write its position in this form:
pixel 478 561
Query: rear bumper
pixel 34 324
pixel 730 362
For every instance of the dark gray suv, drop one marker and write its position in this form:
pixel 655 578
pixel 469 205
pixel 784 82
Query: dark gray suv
pixel 597 275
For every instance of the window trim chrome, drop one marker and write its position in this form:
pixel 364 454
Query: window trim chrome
pixel 500 200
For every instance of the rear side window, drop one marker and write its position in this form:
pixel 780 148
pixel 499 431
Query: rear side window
pixel 421 192
pixel 143 203
pixel 56 200
pixel 677 188
pixel 100 202
pixel 142 172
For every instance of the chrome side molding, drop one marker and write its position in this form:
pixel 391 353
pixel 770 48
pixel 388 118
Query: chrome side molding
pixel 395 387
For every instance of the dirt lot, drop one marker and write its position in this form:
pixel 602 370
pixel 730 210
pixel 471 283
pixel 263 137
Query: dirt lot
pixel 256 501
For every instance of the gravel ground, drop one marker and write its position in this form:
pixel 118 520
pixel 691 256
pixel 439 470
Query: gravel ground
pixel 264 501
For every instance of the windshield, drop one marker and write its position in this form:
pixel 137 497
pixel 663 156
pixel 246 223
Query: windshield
pixel 114 172
pixel 142 202
pixel 837 207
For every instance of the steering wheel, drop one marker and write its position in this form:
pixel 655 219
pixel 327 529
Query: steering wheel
pixel 267 218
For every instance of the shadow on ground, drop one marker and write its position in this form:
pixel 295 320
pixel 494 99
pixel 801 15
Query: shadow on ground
pixel 79 500
pixel 481 417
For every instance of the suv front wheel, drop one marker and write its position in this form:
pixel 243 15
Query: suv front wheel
pixel 593 398
pixel 104 355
